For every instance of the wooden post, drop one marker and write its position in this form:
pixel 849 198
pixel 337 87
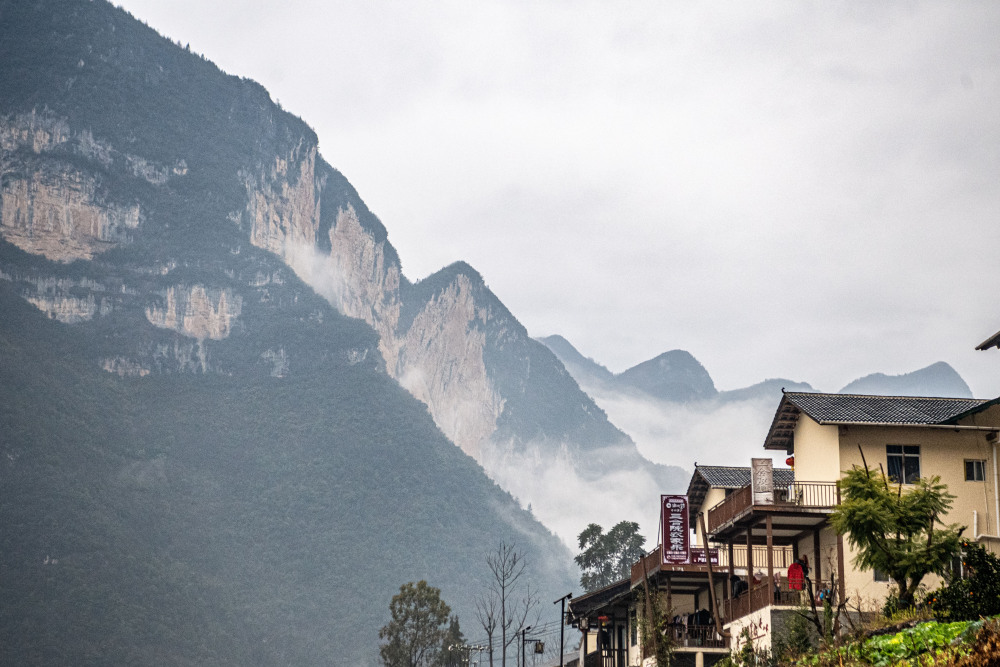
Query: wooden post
pixel 749 554
pixel 670 597
pixel 842 587
pixel 770 559
pixel 817 567
pixel 711 579
pixel 732 572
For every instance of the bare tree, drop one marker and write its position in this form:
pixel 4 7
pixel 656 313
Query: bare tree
pixel 488 613
pixel 509 601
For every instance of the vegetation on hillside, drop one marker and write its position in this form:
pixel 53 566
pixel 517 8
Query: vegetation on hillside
pixel 223 520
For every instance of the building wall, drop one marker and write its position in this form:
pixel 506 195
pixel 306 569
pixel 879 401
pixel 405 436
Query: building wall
pixel 713 497
pixel 757 624
pixel 824 452
pixel 943 453
pixel 816 452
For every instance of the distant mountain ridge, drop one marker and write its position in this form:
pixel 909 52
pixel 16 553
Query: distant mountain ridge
pixel 676 376
pixel 671 376
pixel 671 408
pixel 938 379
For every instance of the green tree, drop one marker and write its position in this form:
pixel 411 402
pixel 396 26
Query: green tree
pixel 453 652
pixel 897 531
pixel 974 596
pixel 608 557
pixel 418 629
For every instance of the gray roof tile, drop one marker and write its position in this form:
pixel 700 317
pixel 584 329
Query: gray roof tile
pixel 852 408
pixel 731 477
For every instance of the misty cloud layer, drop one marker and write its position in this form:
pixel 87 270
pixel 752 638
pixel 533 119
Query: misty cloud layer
pixel 566 495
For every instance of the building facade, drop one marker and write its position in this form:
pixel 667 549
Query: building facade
pixel 770 546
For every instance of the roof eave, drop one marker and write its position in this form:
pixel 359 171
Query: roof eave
pixel 992 341
pixel 972 411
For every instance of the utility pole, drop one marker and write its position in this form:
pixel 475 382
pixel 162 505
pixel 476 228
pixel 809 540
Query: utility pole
pixel 562 624
pixel 524 633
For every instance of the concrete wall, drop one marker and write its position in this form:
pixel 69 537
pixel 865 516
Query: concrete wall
pixel 943 453
pixel 816 452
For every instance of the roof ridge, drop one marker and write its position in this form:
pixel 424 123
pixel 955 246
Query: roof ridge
pixel 917 398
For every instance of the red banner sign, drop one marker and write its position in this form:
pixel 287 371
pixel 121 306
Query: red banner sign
pixel 676 549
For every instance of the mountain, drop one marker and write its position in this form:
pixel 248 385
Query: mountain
pixel 938 379
pixel 227 420
pixel 585 370
pixel 672 376
pixel 670 407
pixel 768 391
pixel 232 520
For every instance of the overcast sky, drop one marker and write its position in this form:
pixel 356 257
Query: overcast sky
pixel 808 190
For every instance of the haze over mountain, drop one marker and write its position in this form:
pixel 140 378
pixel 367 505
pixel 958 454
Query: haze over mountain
pixel 672 409
pixel 228 421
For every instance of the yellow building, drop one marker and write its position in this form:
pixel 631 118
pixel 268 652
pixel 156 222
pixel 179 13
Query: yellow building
pixel 760 521
pixel 826 435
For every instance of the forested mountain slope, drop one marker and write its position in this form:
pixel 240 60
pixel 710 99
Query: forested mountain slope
pixel 203 461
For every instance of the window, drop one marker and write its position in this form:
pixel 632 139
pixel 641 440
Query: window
pixel 903 463
pixel 879 575
pixel 975 471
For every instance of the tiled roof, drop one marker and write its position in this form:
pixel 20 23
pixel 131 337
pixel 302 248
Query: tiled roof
pixel 724 477
pixel 861 409
pixel 612 595
pixel 851 408
pixel 731 477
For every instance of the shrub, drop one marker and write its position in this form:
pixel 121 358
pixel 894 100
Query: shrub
pixel 975 596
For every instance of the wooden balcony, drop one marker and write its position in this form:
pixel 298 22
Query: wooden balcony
pixel 695 637
pixel 805 496
pixel 762 595
pixel 783 557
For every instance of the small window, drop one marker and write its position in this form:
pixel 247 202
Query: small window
pixel 975 471
pixel 903 463
pixel 880 575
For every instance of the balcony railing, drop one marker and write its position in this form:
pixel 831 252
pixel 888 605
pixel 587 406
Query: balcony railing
pixel 762 595
pixel 734 504
pixel 783 557
pixel 807 495
pixel 695 636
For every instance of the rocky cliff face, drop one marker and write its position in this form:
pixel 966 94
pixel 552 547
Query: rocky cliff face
pixel 283 202
pixel 362 280
pixel 442 363
pixel 197 312
pixel 68 197
pixel 173 392
pixel 494 392
pixel 188 244
pixel 48 206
